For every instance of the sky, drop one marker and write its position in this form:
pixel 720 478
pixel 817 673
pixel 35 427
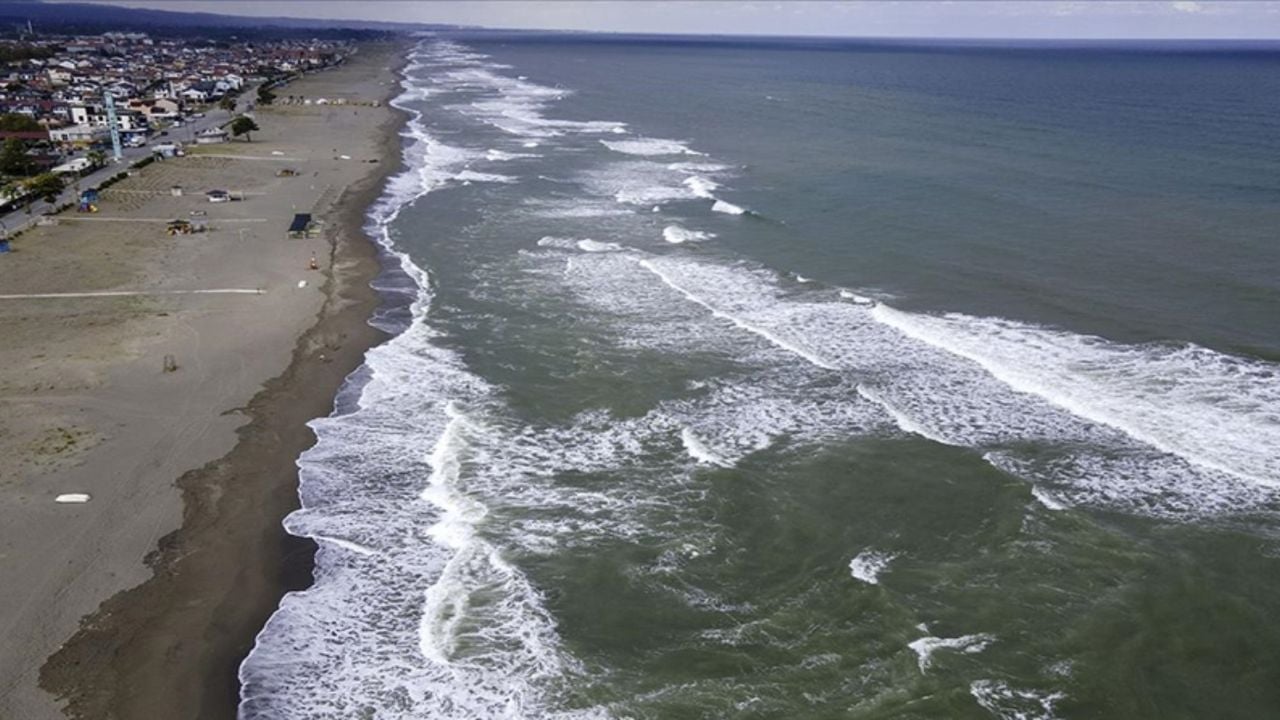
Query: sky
pixel 1063 19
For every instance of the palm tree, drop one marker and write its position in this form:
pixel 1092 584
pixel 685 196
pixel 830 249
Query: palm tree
pixel 96 158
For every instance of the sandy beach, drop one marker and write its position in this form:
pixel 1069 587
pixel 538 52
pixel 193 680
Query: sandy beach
pixel 141 602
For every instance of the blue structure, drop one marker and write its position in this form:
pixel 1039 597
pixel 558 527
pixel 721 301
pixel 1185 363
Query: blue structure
pixel 4 245
pixel 89 200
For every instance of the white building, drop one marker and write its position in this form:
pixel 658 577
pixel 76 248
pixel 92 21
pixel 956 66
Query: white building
pixel 96 115
pixel 79 134
pixel 211 136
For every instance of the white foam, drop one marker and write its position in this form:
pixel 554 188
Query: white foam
pixel 470 176
pixel 702 187
pixel 763 332
pixel 585 244
pixel 728 208
pixel 1047 498
pixel 502 156
pixel 345 544
pixel 558 242
pixel 925 647
pixel 578 208
pixel 676 235
pixel 855 297
pixel 649 147
pixel 511 104
pixel 391 625
pixel 903 420
pixel 921 388
pixel 1215 411
pixel 868 565
pixel 699 168
pixel 699 451
pixel 636 182
pixel 595 246
pixel 1008 703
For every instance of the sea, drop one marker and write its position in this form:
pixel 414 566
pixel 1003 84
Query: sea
pixel 806 379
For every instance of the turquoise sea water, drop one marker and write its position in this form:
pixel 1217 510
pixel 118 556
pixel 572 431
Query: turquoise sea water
pixel 807 380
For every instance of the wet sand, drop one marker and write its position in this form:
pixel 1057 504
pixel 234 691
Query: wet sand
pixel 86 406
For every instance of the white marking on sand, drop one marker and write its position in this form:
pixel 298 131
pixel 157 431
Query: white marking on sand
pixel 130 293
pixel 279 158
pixel 157 220
pixel 72 498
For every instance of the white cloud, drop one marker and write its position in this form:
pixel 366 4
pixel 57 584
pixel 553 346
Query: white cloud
pixel 1188 6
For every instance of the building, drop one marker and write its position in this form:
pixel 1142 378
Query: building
pixel 211 136
pixel 156 108
pixel 167 150
pixel 96 115
pixel 79 134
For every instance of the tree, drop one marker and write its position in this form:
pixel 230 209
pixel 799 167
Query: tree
pixel 265 96
pixel 244 125
pixel 96 158
pixel 45 185
pixel 13 158
pixel 12 190
pixel 227 103
pixel 18 122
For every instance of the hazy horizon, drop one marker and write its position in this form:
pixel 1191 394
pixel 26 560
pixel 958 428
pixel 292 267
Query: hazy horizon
pixel 873 19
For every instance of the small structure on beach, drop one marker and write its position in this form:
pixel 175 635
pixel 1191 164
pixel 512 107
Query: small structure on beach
pixel 301 227
pixel 218 196
pixel 167 150
pixel 211 136
pixel 88 201
pixel 176 190
pixel 184 227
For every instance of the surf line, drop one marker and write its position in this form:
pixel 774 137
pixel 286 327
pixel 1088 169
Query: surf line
pixel 902 322
pixel 904 421
pixel 807 355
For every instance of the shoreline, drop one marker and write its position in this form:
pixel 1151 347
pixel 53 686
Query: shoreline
pixel 172 646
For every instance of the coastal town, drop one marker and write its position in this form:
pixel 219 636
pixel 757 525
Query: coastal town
pixel 70 104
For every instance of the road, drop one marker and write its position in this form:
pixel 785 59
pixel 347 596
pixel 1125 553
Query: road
pixel 185 134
